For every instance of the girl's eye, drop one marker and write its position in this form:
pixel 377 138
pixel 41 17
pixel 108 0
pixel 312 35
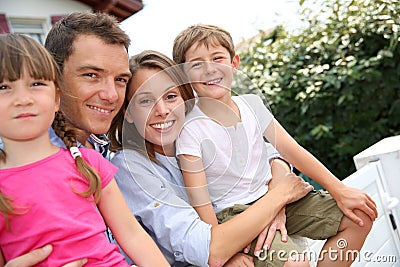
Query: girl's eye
pixel 38 84
pixel 4 87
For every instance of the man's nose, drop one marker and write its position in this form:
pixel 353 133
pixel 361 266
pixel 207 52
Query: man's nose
pixel 109 91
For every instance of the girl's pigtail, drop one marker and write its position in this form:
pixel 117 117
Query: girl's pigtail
pixel 6 208
pixel 69 138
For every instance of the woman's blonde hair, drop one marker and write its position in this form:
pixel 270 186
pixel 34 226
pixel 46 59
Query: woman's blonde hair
pixel 18 53
pixel 147 59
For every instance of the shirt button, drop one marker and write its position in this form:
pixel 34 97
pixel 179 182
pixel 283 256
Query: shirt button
pixel 177 253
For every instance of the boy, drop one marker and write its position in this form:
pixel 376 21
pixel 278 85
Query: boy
pixel 220 174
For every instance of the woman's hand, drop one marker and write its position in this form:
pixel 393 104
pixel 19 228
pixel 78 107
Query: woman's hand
pixel 35 256
pixel 265 238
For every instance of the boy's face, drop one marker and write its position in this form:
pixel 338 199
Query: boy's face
pixel 210 70
pixel 27 107
pixel 94 78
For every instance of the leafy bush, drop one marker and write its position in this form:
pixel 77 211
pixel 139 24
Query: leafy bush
pixel 335 83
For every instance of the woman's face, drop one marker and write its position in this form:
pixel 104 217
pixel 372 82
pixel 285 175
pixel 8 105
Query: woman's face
pixel 156 108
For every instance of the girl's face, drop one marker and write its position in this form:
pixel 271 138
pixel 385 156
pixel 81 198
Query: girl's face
pixel 27 108
pixel 156 108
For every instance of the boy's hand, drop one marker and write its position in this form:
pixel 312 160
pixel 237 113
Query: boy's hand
pixel 348 199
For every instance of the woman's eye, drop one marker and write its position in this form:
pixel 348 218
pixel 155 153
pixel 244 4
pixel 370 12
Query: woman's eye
pixel 145 102
pixel 171 96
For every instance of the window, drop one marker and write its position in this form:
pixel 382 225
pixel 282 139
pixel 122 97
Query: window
pixel 35 28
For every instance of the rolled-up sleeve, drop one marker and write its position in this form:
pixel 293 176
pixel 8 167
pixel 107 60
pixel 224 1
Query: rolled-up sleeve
pixel 170 221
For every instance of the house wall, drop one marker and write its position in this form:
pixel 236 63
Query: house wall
pixel 40 8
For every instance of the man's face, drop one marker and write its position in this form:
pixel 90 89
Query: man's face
pixel 94 78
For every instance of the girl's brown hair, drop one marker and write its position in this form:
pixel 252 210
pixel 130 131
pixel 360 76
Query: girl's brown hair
pixel 18 53
pixel 147 59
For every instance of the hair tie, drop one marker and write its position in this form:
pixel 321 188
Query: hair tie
pixel 75 152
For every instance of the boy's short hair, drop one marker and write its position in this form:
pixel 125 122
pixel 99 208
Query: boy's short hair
pixel 201 34
pixel 61 37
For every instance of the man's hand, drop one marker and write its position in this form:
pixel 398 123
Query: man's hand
pixel 240 260
pixel 38 255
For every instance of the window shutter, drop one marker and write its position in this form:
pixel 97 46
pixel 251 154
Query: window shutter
pixel 4 28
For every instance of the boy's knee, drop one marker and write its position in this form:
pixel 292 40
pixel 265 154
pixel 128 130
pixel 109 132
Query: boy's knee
pixel 366 220
pixel 362 230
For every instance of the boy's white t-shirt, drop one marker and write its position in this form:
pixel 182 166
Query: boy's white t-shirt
pixel 235 158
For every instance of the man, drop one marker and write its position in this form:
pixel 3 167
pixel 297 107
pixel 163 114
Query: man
pixel 92 53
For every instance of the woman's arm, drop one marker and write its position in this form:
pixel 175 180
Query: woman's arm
pixel 197 188
pixel 347 198
pixel 132 238
pixel 230 237
pixel 175 224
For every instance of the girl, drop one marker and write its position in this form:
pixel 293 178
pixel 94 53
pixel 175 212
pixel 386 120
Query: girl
pixel 150 180
pixel 51 195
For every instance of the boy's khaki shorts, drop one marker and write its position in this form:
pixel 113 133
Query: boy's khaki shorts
pixel 315 216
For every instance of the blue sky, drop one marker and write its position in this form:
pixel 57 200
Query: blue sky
pixel 157 24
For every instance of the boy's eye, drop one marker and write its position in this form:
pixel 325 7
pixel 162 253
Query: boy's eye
pixel 196 64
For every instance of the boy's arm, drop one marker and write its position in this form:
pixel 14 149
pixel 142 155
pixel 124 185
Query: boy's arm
pixel 197 188
pixel 348 199
pixel 130 235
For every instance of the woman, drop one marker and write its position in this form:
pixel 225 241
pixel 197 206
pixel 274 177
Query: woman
pixel 156 100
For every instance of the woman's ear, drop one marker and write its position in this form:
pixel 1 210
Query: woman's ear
pixel 128 116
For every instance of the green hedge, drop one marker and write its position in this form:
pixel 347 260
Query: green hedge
pixel 334 83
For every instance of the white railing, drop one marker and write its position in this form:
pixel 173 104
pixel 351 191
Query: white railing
pixel 378 173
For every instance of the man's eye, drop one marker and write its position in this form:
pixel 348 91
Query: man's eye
pixel 123 80
pixel 91 75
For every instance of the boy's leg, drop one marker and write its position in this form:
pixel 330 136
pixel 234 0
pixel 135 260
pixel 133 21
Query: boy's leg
pixel 317 216
pixel 279 252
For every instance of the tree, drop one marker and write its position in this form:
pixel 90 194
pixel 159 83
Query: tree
pixel 334 84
